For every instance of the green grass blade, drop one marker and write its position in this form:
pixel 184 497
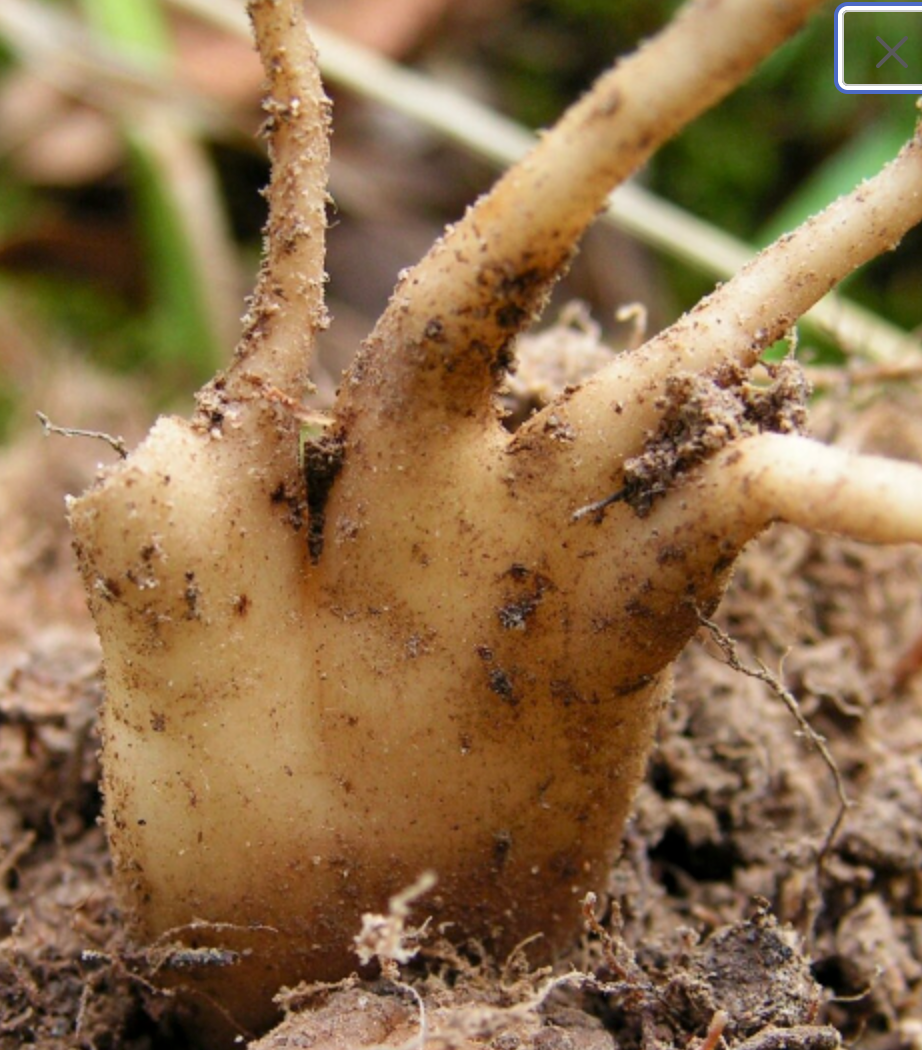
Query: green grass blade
pixel 183 316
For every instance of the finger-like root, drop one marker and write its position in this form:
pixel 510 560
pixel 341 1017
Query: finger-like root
pixel 785 478
pixel 682 549
pixel 287 308
pixel 613 415
pixel 444 341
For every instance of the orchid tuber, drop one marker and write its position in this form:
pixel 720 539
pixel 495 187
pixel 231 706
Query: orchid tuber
pixel 400 639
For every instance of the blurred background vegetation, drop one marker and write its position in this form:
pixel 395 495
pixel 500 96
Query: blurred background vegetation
pixel 130 170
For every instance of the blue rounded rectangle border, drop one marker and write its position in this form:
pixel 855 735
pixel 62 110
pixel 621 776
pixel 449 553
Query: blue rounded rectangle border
pixel 878 49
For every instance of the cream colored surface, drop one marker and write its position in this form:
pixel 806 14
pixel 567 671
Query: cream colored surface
pixel 462 675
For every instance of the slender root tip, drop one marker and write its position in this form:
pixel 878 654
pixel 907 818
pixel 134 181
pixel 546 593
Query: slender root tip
pixel 775 477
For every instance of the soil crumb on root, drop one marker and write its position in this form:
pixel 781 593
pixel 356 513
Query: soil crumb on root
pixel 703 414
pixel 734 813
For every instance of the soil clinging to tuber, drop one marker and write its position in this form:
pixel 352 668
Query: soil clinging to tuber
pixel 416 642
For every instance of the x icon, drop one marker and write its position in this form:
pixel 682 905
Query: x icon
pixel 892 52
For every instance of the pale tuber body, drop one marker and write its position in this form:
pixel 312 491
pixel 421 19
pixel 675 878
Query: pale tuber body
pixel 423 652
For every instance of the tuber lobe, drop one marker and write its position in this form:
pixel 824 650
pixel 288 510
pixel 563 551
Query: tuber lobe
pixel 418 655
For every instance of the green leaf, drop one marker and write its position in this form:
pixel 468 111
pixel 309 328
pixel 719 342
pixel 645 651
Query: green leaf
pixel 181 317
pixel 138 26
